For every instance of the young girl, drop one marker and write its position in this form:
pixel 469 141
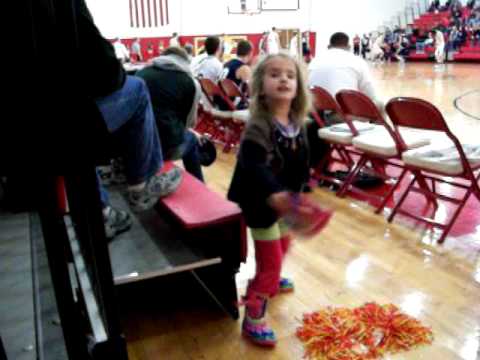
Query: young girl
pixel 272 165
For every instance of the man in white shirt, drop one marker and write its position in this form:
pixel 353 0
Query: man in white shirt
pixel 210 66
pixel 121 51
pixel 174 40
pixel 293 48
pixel 439 46
pixel 339 69
pixel 273 42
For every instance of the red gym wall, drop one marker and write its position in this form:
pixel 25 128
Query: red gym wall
pixel 155 41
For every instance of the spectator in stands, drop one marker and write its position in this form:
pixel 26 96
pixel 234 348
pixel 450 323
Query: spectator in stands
pixel 238 70
pixel 136 50
pixel 174 40
pixel 210 66
pixel 273 42
pixel 175 95
pixel 121 51
pixel 338 69
pixel 125 104
pixel 447 6
pixel 356 45
pixel 434 6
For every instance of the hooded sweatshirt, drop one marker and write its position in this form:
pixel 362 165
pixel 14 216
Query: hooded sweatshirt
pixel 174 94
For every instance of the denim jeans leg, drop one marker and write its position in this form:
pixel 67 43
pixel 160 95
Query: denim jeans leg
pixel 104 198
pixel 191 156
pixel 129 117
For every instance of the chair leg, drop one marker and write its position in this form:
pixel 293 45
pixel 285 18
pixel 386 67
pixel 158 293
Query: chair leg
pixel 402 199
pixel 422 183
pixel 390 192
pixel 455 216
pixel 351 177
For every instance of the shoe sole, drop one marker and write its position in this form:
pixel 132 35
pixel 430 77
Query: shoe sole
pixel 266 344
pixel 120 231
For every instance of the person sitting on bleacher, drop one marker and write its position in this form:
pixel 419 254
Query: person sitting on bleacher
pixel 210 67
pixel 175 95
pixel 434 6
pixel 125 105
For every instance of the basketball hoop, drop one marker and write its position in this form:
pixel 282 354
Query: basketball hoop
pixel 251 12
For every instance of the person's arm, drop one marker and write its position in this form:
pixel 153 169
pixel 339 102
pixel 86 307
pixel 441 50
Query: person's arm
pixel 244 73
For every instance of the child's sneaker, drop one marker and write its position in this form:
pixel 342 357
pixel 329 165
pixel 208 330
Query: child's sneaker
pixel 257 331
pixel 158 186
pixel 116 222
pixel 254 326
pixel 286 285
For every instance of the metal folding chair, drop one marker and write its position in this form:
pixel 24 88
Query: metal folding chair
pixel 339 140
pixel 233 91
pixel 382 147
pixel 230 123
pixel 435 162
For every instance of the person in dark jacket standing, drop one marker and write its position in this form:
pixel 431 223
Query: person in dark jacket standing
pixel 175 95
pixel 273 163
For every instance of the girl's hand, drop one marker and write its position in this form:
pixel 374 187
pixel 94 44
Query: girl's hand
pixel 281 202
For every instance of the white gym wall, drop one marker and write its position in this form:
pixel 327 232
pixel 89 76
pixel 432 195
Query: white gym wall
pixel 201 17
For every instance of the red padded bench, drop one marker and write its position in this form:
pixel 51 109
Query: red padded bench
pixel 215 225
pixel 194 206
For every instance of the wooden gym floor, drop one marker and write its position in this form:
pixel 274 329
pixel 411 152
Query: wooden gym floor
pixel 358 258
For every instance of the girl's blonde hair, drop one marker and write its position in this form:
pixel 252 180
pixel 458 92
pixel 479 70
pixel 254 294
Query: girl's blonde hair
pixel 301 104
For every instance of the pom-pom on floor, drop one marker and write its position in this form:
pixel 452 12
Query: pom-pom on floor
pixel 367 332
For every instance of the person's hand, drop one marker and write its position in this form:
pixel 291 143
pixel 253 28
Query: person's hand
pixel 281 202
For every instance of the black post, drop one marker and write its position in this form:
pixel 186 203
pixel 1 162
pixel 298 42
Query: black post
pixel 56 240
pixel 86 214
pixel 3 353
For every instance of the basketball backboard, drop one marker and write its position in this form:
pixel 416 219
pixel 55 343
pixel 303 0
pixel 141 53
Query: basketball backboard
pixel 272 5
pixel 243 6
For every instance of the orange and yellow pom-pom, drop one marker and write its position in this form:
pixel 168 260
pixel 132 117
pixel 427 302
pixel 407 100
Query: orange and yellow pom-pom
pixel 364 333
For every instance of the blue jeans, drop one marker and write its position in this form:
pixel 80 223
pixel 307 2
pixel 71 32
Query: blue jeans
pixel 188 151
pixel 129 118
pixel 104 198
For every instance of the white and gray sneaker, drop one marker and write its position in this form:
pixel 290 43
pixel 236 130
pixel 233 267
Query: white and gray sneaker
pixel 157 186
pixel 116 221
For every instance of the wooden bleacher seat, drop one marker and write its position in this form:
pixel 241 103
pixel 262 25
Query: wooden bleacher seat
pixel 193 230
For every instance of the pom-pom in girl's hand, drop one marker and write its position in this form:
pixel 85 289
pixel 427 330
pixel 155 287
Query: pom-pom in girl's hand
pixel 281 202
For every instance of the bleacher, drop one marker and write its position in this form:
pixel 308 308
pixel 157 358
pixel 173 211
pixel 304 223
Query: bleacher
pixel 429 21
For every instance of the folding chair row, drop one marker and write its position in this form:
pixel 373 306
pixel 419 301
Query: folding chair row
pixel 412 143
pixel 224 126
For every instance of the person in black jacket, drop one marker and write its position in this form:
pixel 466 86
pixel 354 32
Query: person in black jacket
pixel 125 105
pixel 175 95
